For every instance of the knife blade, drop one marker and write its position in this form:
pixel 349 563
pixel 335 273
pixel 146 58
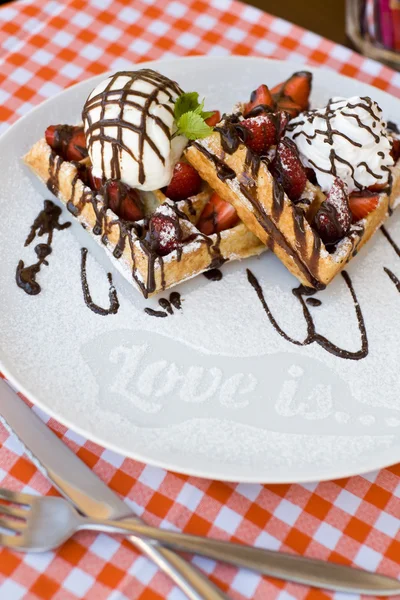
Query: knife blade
pixel 76 482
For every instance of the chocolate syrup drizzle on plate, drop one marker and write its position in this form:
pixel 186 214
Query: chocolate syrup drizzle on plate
pixel 312 334
pixel 213 275
pixel 167 306
pixel 44 224
pixel 112 293
pixel 396 248
pixel 122 97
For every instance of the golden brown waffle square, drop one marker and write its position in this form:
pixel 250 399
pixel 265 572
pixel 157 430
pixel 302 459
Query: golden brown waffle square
pixel 131 253
pixel 244 180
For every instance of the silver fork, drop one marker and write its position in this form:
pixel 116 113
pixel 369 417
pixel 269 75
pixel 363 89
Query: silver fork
pixel 37 524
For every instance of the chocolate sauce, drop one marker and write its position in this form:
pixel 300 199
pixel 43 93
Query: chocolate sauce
pixel 112 293
pixel 174 301
pixel 127 97
pixel 213 275
pixel 393 127
pixel 312 335
pixel 44 224
pixel 166 305
pixel 55 163
pixel 390 240
pixel 223 171
pixel 393 278
pixel 313 302
pixel 155 313
pixel 396 248
pixel 63 135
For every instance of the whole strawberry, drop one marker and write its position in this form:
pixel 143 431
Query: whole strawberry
pixel 288 169
pixel 185 182
pixel 262 133
pixel 164 234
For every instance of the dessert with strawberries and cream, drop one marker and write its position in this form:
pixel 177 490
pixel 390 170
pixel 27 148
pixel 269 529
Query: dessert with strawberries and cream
pixel 346 139
pixel 311 185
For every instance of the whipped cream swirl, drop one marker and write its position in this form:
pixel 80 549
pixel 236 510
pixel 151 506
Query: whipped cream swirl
pixel 346 139
pixel 129 126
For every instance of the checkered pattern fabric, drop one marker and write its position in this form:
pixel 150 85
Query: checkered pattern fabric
pixel 46 46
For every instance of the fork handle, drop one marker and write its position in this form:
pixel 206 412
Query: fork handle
pixel 312 572
pixel 186 576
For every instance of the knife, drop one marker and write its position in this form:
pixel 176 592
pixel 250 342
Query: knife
pixel 93 498
pixel 76 482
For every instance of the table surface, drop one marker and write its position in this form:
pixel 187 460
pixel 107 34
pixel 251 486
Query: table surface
pixel 45 46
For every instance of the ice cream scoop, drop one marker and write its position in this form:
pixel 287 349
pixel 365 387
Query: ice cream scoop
pixel 346 139
pixel 129 127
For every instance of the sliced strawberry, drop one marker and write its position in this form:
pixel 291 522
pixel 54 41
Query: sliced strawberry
pixel 297 87
pixel 395 151
pixel 95 183
pixel 67 141
pixel 290 106
pixel 334 217
pixel 262 133
pixel 164 234
pixel 185 182
pixel 260 97
pixel 214 119
pixel 288 170
pixel 362 203
pixel 217 215
pixel 123 200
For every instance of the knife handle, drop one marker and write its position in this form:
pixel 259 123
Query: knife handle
pixel 188 578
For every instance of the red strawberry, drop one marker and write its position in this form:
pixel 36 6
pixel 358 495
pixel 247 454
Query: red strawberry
pixel 217 215
pixel 214 119
pixel 395 151
pixel 325 224
pixel 185 182
pixel 95 183
pixel 288 170
pixel 297 88
pixel 362 203
pixel 164 234
pixel 67 141
pixel 260 96
pixel 263 133
pixel 123 200
pixel 333 218
pixel 289 106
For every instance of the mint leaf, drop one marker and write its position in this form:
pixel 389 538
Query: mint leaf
pixel 192 125
pixel 207 113
pixel 186 103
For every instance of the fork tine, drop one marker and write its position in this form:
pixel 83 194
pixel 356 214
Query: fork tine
pixel 12 525
pixel 11 541
pixel 13 511
pixel 16 497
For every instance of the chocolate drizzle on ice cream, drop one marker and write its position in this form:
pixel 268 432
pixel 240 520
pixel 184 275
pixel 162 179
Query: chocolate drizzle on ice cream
pixel 346 139
pixel 129 127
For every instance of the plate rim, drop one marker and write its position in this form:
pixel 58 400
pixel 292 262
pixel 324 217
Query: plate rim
pixel 19 388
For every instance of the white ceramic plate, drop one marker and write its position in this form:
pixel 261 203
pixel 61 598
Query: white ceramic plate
pixel 212 390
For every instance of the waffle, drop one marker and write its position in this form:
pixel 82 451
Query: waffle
pixel 126 242
pixel 280 224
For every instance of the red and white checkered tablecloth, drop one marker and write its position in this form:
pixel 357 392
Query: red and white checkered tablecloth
pixel 45 46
